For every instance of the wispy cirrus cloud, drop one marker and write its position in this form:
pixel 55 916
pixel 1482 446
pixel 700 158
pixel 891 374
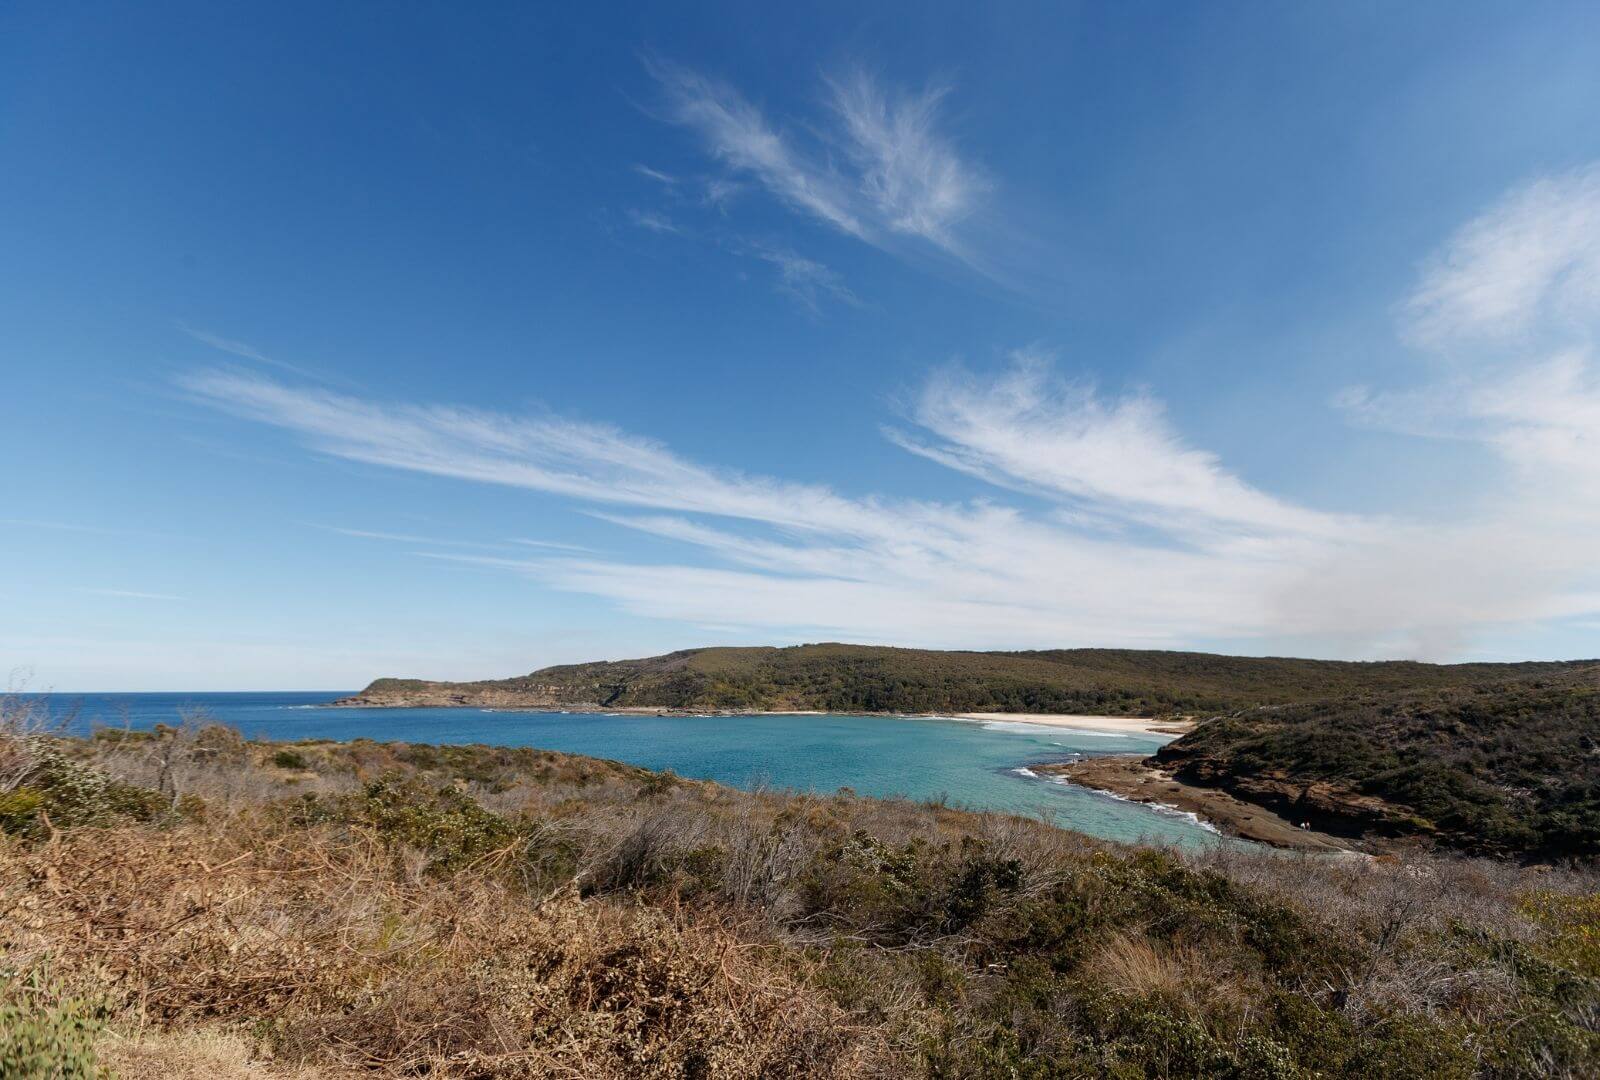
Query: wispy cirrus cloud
pixel 1224 561
pixel 551 545
pixel 1529 263
pixel 57 526
pixel 1033 431
pixel 704 191
pixel 655 174
pixel 907 170
pixel 129 594
pixel 805 280
pixel 881 169
pixel 1509 312
pixel 407 538
pixel 719 192
pixel 245 351
pixel 887 568
pixel 1506 314
pixel 1104 524
pixel 653 221
pixel 450 542
pixel 546 453
pixel 737 134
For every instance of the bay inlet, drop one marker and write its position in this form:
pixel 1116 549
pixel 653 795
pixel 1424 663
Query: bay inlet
pixel 979 765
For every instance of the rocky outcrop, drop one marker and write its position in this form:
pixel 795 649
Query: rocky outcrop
pixel 1142 780
pixel 1321 804
pixel 419 693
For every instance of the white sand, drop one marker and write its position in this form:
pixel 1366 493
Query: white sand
pixel 1118 725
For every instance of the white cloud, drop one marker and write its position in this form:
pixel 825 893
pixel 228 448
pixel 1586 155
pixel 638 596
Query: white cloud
pixel 737 134
pixel 719 191
pixel 248 352
pixel 59 526
pixel 655 174
pixel 1030 430
pixel 406 538
pixel 892 569
pixel 551 545
pixel 897 175
pixel 806 280
pixel 1221 560
pixel 1512 304
pixel 1128 534
pixel 653 221
pixel 583 460
pixel 129 594
pixel 910 173
pixel 1531 262
pixel 1509 305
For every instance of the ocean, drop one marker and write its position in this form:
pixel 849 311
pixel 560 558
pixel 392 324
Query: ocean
pixel 973 764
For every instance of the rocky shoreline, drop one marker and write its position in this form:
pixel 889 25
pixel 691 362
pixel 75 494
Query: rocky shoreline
pixel 417 694
pixel 1134 777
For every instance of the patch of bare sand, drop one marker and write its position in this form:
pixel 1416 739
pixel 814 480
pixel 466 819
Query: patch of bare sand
pixel 1117 725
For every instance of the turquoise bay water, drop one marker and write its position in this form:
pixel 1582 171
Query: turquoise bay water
pixel 981 766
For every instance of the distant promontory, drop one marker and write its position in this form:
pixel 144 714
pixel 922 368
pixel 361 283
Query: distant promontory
pixel 869 678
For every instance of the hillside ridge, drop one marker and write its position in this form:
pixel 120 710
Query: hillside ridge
pixel 834 677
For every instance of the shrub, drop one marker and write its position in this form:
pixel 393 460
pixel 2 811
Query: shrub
pixel 289 759
pixel 446 824
pixel 425 924
pixel 71 793
pixel 19 809
pixel 981 881
pixel 44 1033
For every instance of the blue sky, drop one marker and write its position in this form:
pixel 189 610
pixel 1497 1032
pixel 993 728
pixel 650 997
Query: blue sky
pixel 412 339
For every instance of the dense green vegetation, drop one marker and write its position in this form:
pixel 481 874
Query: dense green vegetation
pixel 862 678
pixel 322 909
pixel 1510 767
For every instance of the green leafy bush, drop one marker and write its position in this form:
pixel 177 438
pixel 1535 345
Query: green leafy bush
pixel 447 824
pixel 44 1033
pixel 289 759
pixel 71 793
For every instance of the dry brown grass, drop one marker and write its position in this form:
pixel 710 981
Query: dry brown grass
pixel 615 923
pixel 353 962
pixel 1129 962
pixel 199 1054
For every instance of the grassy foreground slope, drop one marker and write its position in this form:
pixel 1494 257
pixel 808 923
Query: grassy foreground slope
pixel 1508 768
pixel 864 678
pixel 188 904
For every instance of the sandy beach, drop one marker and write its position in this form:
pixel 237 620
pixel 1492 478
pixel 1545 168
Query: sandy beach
pixel 1118 725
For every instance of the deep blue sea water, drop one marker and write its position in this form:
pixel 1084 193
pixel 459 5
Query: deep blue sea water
pixel 976 765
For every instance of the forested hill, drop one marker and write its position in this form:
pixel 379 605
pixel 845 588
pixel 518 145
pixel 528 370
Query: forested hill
pixel 1509 768
pixel 863 678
